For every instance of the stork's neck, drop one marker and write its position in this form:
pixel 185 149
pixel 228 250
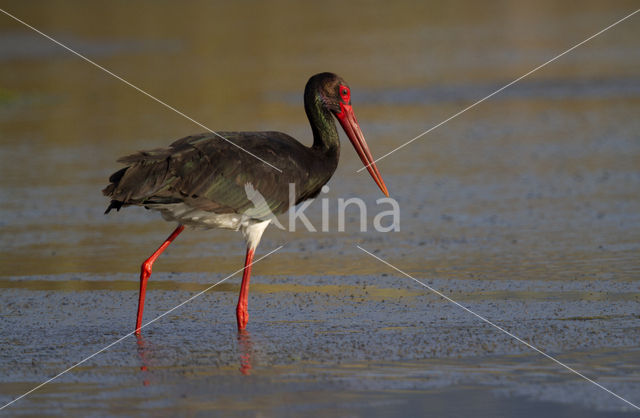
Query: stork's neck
pixel 326 145
pixel 323 126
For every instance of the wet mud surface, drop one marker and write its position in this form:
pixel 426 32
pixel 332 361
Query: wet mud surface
pixel 342 339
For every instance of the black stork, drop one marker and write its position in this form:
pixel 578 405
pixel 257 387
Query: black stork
pixel 204 181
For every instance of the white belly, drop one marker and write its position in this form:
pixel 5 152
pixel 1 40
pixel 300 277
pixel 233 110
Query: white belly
pixel 186 215
pixel 251 228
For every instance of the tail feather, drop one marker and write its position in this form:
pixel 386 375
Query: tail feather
pixel 115 204
pixel 114 179
pixel 117 176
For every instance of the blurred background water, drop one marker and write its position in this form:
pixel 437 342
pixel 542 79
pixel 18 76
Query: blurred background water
pixel 526 207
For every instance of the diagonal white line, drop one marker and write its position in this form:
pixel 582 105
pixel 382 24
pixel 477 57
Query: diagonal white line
pixel 498 91
pixel 133 332
pixel 136 88
pixel 498 327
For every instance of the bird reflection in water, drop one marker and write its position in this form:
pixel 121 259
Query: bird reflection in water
pixel 245 350
pixel 143 352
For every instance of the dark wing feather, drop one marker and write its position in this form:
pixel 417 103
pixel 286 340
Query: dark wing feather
pixel 209 173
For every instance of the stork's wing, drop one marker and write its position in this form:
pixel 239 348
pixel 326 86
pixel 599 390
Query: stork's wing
pixel 209 173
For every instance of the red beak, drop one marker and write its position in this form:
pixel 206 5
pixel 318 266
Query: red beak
pixel 350 125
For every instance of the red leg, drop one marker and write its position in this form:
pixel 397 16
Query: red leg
pixel 145 273
pixel 242 314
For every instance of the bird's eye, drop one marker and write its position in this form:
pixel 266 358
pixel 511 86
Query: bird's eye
pixel 344 92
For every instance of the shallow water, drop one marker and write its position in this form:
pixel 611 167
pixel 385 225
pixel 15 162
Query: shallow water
pixel 525 209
